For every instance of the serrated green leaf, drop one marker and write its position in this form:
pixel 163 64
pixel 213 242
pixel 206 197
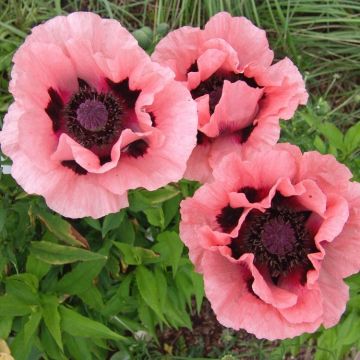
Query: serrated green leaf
pixel 59 254
pixel 52 319
pixel 78 325
pixel 59 227
pixel 134 255
pixel 198 286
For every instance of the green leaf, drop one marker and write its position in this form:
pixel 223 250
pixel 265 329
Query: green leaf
pixel 11 306
pixel 198 286
pixel 170 248
pixel 171 209
pixel 352 138
pixel 2 216
pixel 31 326
pixel 319 144
pixel 23 287
pixel 92 297
pixel 80 278
pixel 49 345
pixel 134 255
pixel 78 325
pixel 59 227
pixel 111 222
pixel 94 223
pixel 5 326
pixel 155 217
pixel 126 232
pixel 79 348
pixel 148 289
pixel 350 329
pixel 52 319
pixel 59 254
pixel 161 286
pixel 37 267
pixel 333 134
pixel 147 317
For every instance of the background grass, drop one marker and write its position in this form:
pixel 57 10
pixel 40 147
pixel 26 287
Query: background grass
pixel 322 37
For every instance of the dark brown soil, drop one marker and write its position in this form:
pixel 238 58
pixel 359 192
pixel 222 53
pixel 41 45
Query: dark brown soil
pixel 209 339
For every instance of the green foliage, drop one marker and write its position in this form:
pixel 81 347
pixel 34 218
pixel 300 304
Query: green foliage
pixel 91 289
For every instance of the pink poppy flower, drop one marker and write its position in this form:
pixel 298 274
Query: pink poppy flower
pixel 240 96
pixel 94 117
pixel 274 235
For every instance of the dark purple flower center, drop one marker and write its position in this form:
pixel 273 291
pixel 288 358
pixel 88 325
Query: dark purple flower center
pixel 278 237
pixel 229 217
pixel 96 120
pixel 92 115
pixel 213 86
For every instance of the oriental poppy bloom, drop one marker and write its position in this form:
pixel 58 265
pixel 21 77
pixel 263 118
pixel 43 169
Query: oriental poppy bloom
pixel 240 96
pixel 93 117
pixel 274 235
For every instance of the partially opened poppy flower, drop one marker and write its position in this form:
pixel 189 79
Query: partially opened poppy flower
pixel 94 117
pixel 274 235
pixel 240 96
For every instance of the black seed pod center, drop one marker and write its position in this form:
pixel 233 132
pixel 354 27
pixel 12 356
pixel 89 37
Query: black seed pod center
pixel 92 115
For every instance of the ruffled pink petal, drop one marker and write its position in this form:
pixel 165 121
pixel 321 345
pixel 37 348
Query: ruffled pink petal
pixel 309 304
pixel 69 149
pixel 33 74
pixel 342 255
pixel 284 89
pixel 161 165
pixel 9 136
pixel 335 217
pixel 229 116
pixel 335 294
pixel 265 290
pixel 203 110
pixel 249 41
pixel 208 63
pixel 198 167
pixel 330 175
pixel 273 166
pixel 178 50
pixel 264 135
pixel 235 307
pixel 37 139
pixel 64 191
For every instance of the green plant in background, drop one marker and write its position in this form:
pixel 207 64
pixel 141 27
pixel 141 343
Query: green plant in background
pixel 96 289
